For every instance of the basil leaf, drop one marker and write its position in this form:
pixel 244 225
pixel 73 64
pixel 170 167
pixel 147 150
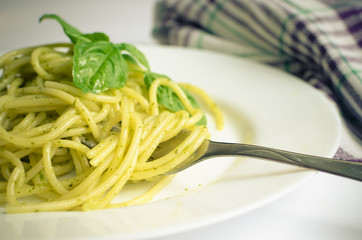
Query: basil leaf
pixel 98 66
pixel 195 104
pixel 133 52
pixel 165 95
pixel 168 98
pixel 97 36
pixel 73 33
pixel 149 77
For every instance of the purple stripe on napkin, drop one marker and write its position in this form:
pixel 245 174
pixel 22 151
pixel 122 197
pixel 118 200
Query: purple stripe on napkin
pixel 342 154
pixel 322 38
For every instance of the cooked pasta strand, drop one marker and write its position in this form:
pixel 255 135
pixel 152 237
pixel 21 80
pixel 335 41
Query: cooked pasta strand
pixel 76 151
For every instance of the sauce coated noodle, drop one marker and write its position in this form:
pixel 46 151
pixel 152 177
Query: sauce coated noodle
pixel 75 151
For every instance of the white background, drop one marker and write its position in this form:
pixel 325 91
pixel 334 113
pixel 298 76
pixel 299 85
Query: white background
pixel 325 207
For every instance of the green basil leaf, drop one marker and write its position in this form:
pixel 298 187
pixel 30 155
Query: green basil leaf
pixel 73 33
pixel 195 104
pixel 130 59
pixel 149 77
pixel 133 52
pixel 168 98
pixel 97 36
pixel 98 66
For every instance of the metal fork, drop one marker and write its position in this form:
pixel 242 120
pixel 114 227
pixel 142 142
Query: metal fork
pixel 210 149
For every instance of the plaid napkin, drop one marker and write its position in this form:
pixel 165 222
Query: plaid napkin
pixel 319 41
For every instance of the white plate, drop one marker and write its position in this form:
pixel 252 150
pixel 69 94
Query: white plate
pixel 277 109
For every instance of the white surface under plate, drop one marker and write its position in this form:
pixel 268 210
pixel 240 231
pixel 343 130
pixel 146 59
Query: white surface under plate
pixel 276 109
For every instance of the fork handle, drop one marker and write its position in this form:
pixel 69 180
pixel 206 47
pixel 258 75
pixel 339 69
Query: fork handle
pixel 339 167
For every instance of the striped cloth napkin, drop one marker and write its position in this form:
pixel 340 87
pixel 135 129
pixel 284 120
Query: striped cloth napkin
pixel 319 41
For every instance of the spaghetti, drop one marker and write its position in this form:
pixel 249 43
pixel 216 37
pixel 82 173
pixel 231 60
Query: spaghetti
pixel 76 151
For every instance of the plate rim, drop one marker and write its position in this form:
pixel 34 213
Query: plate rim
pixel 232 213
